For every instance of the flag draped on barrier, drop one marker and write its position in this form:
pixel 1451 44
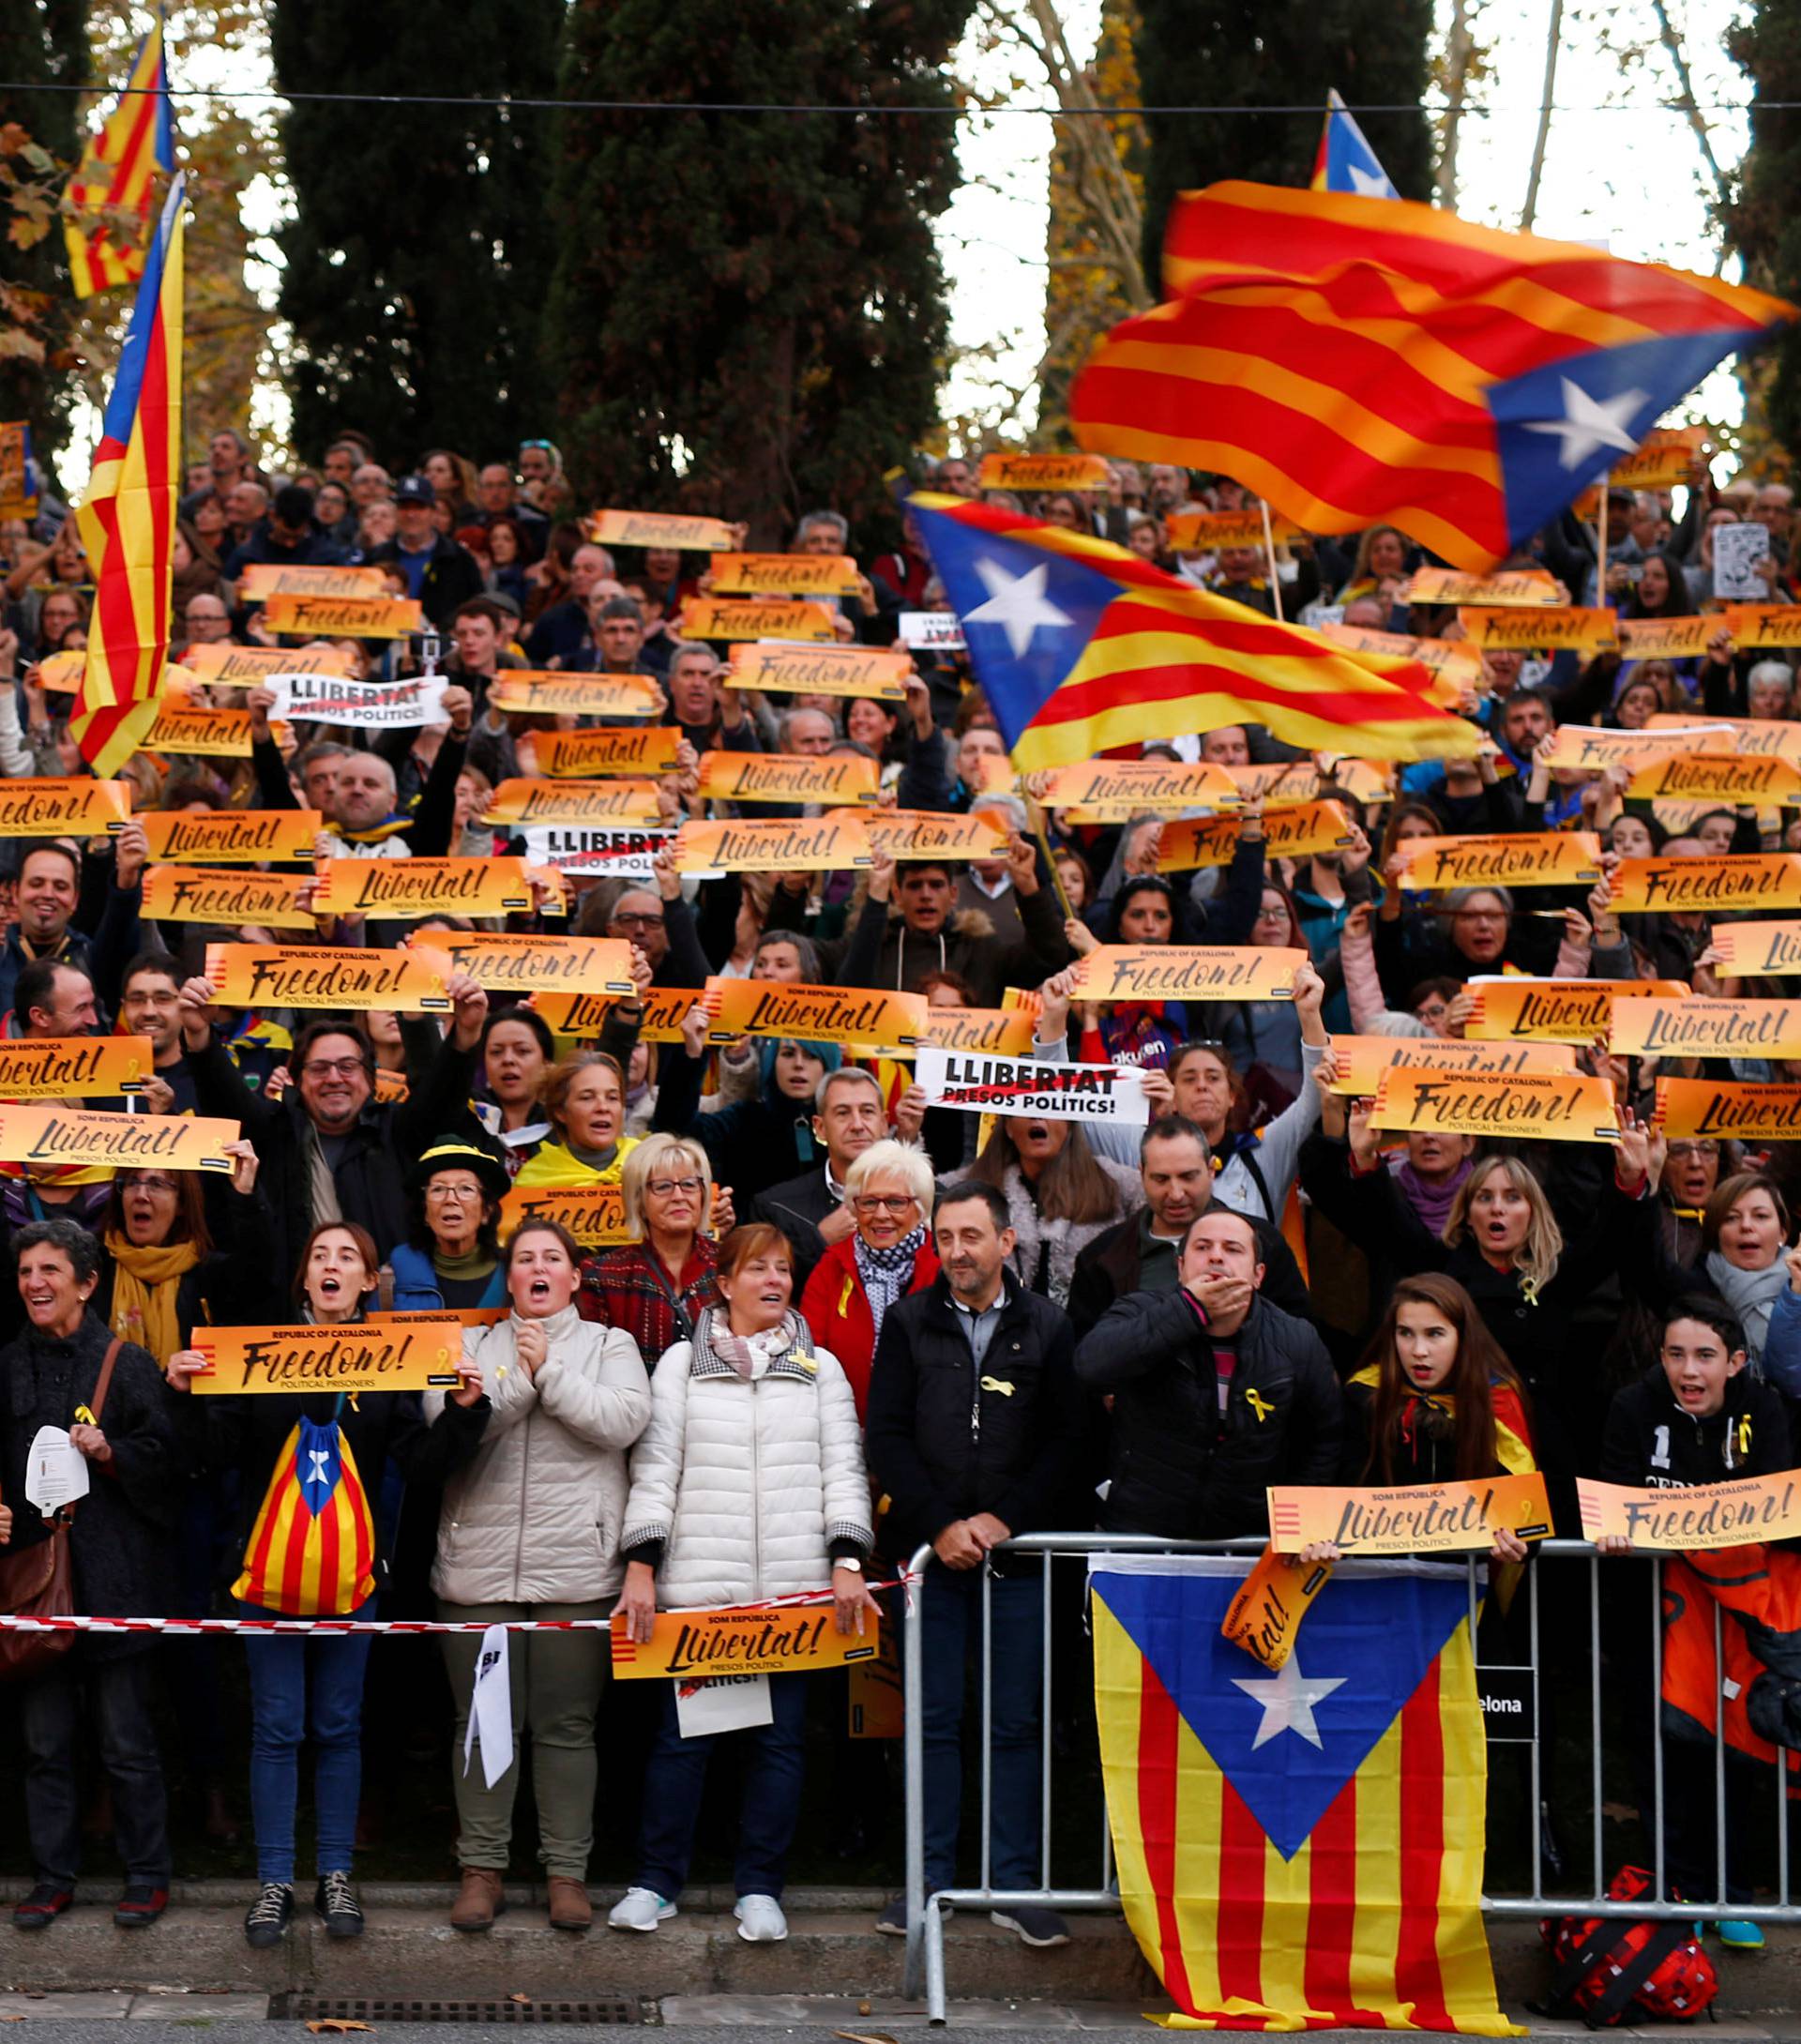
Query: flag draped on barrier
pixel 1300 1849
pixel 127 520
pixel 1079 644
pixel 111 189
pixel 1358 360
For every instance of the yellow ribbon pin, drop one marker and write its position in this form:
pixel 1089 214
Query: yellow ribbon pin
pixel 810 1364
pixel 1259 1404
pixel 84 1418
pixel 995 1383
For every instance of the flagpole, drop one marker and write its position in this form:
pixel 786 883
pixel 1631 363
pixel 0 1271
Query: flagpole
pixel 1600 565
pixel 1270 555
pixel 1035 810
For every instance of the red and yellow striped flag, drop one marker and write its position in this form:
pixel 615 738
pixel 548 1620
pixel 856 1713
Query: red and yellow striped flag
pixel 111 189
pixel 312 1552
pixel 127 519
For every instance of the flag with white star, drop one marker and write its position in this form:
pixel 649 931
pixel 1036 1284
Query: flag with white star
pixel 1302 1849
pixel 1345 161
pixel 1363 360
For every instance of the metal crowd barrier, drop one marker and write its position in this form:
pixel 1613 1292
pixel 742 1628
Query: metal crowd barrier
pixel 1507 1687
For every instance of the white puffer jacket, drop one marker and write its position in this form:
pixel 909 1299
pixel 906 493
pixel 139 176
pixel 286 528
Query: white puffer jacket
pixel 747 1482
pixel 534 1518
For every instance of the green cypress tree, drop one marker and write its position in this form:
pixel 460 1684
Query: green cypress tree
pixel 1762 223
pixel 43 43
pixel 416 261
pixel 748 313
pixel 1245 53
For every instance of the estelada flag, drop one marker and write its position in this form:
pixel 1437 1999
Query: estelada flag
pixel 110 192
pixel 1360 360
pixel 1079 645
pixel 1301 1850
pixel 127 520
pixel 1344 161
pixel 312 1552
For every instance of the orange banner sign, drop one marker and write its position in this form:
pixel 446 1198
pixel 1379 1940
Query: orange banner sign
pixel 523 694
pixel 1750 737
pixel 929 834
pixel 662 529
pixel 196 894
pixel 742 1640
pixel 1729 1108
pixel 229 837
pixel 1452 661
pixel 298 976
pixel 342 617
pixel 182 727
pixel 1529 859
pixel 1727 879
pixel 1414 1519
pixel 264 579
pixel 1738 1514
pixel 1358 1063
pixel 1359 781
pixel 785 575
pixel 66 1135
pixel 533 805
pixel 72 1068
pixel 1188 972
pixel 833 843
pixel 594 1215
pixel 1666 638
pixel 61 672
pixel 820 670
pixel 1043 472
pixel 1664 458
pixel 782 777
pixel 1560 1107
pixel 742 617
pixel 1515 1008
pixel 404 889
pixel 1207 532
pixel 1281 783
pixel 1764 949
pixel 1760 628
pixel 400 1352
pixel 764 1007
pixel 646 749
pixel 222 665
pixel 63 808
pixel 1288 833
pixel 583 1014
pixel 993 1032
pixel 504 962
pixel 1713 779
pixel 1705 1028
pixel 1565 629
pixel 1517 587
pixel 1582 745
pixel 1131 787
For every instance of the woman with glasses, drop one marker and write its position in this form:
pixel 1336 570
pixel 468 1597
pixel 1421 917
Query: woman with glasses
pixel 163 1275
pixel 656 1287
pixel 890 1253
pixel 451 1256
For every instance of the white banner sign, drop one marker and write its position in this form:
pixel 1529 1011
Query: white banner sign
pixel 371 705
pixel 1737 550
pixel 612 850
pixel 939 631
pixel 1016 1086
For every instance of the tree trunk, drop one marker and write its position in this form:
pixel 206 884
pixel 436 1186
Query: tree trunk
pixel 1555 37
pixel 1459 47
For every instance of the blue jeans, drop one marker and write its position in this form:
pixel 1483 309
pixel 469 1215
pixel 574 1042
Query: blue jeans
pixel 677 1775
pixel 301 1687
pixel 950 1648
pixel 118 1698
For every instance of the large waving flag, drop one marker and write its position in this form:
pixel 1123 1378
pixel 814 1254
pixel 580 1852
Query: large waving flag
pixel 1079 645
pixel 1301 1850
pixel 127 519
pixel 111 188
pixel 1344 161
pixel 1358 361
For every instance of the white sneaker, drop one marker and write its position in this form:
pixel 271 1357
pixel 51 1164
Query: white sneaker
pixel 639 1909
pixel 760 1920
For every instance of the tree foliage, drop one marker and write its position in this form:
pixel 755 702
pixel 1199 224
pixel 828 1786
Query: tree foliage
pixel 42 44
pixel 1245 54
pixel 416 260
pixel 1761 222
pixel 748 311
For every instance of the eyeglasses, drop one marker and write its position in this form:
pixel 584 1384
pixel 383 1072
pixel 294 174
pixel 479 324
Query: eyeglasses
pixel 660 1189
pixel 150 1185
pixel 633 921
pixel 883 1203
pixel 341 1067
pixel 1480 916
pixel 1692 1149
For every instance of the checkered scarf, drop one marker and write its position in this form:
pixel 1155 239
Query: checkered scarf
pixel 886 1273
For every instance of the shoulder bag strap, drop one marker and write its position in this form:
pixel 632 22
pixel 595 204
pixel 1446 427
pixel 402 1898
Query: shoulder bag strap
pixel 103 1383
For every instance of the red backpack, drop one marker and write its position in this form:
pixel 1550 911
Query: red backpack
pixel 1607 1968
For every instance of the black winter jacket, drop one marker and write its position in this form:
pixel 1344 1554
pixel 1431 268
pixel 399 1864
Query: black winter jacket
pixel 1108 1268
pixel 945 1440
pixel 1652 1444
pixel 1181 1468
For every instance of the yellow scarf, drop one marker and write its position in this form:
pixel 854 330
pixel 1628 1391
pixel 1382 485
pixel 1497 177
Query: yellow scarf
pixel 144 1284
pixel 551 1167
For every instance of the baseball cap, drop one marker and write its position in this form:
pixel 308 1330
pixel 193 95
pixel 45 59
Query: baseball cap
pixel 413 490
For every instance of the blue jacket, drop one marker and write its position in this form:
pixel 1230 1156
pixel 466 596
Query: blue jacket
pixel 416 1282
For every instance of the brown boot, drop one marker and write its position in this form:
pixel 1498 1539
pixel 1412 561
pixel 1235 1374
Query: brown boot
pixel 478 1901
pixel 571 1909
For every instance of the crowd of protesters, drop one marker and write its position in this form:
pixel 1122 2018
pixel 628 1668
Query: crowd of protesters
pixel 848 1321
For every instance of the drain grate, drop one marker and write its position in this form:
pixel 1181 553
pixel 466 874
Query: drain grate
pixel 400 2008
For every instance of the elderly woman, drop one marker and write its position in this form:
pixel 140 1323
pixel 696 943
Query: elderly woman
pixel 888 1190
pixel 451 1256
pixel 584 1103
pixel 656 1287
pixel 749 1484
pixel 530 1529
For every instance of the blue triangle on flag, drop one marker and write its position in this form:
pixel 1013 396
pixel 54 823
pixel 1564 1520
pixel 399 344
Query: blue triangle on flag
pixel 1289 1743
